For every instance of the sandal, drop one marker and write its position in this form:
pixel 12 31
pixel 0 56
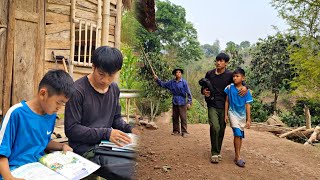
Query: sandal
pixel 214 159
pixel 240 162
pixel 220 157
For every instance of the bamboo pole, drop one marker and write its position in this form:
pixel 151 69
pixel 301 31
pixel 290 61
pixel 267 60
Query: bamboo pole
pixel 99 21
pixel 145 56
pixel 79 46
pixel 73 39
pixel 118 24
pixel 105 23
pixel 90 46
pixel 85 43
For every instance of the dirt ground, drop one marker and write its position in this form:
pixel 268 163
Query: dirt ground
pixel 163 156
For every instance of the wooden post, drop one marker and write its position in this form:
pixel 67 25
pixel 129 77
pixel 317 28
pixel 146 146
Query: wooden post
pixel 8 64
pixel 105 23
pixel 118 24
pixel 79 48
pixel 90 45
pixel 308 116
pixel 85 43
pixel 99 21
pixel 73 31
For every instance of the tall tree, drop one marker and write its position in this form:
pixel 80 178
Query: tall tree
pixel 236 56
pixel 270 64
pixel 178 36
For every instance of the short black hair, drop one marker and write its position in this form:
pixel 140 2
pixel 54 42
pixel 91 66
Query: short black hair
pixel 108 59
pixel 223 56
pixel 239 70
pixel 58 82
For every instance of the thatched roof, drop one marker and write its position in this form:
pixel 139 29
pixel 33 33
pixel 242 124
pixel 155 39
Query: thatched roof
pixel 127 4
pixel 145 13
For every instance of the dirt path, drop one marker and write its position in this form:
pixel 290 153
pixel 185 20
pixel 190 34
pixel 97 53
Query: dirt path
pixel 267 156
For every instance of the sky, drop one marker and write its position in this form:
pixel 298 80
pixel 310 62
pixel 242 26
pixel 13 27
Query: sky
pixel 232 20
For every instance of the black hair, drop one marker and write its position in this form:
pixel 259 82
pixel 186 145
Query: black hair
pixel 223 56
pixel 58 82
pixel 108 59
pixel 239 70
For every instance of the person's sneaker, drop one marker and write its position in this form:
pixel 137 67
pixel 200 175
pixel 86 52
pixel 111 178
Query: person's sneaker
pixel 175 133
pixel 185 134
pixel 214 159
pixel 220 157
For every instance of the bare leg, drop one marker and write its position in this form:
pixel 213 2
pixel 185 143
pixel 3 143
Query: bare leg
pixel 237 141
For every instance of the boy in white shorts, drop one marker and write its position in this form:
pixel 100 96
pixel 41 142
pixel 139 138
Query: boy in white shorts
pixel 237 108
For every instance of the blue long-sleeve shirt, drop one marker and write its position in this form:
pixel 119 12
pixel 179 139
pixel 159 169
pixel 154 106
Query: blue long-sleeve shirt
pixel 179 90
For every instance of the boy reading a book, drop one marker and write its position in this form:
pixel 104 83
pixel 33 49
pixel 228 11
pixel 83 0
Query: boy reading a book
pixel 27 126
pixel 238 109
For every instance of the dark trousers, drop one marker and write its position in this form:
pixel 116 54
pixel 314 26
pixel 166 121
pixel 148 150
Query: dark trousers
pixel 217 129
pixel 179 111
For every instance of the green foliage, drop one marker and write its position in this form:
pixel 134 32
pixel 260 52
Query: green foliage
pixel 291 119
pixel 302 16
pixel 260 111
pixel 178 37
pixel 129 28
pixel 305 60
pixel 270 63
pixel 129 72
pixel 197 113
pixel 297 117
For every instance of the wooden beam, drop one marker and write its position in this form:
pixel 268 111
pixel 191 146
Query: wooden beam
pixel 60 2
pixel 293 131
pixel 60 9
pixel 58 44
pixel 52 17
pixel 27 16
pixel 57 27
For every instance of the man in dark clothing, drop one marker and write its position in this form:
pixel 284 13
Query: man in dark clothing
pixel 180 90
pixel 220 78
pixel 94 113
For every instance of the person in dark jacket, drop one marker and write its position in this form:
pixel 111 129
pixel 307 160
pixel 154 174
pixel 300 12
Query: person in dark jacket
pixel 93 113
pixel 220 78
pixel 180 91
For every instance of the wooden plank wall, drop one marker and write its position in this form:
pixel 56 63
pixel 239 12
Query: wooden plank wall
pixel 58 30
pixel 3 40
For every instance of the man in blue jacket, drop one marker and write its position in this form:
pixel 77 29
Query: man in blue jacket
pixel 180 91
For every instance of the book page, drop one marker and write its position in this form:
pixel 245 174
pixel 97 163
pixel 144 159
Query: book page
pixel 36 171
pixel 70 165
pixel 128 147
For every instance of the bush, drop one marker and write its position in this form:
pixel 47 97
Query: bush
pixel 260 111
pixel 197 113
pixel 313 105
pixel 291 119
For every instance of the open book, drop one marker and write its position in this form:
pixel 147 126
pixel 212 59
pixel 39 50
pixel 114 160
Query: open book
pixel 57 165
pixel 127 147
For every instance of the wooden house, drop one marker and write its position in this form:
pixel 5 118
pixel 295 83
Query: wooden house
pixel 38 35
